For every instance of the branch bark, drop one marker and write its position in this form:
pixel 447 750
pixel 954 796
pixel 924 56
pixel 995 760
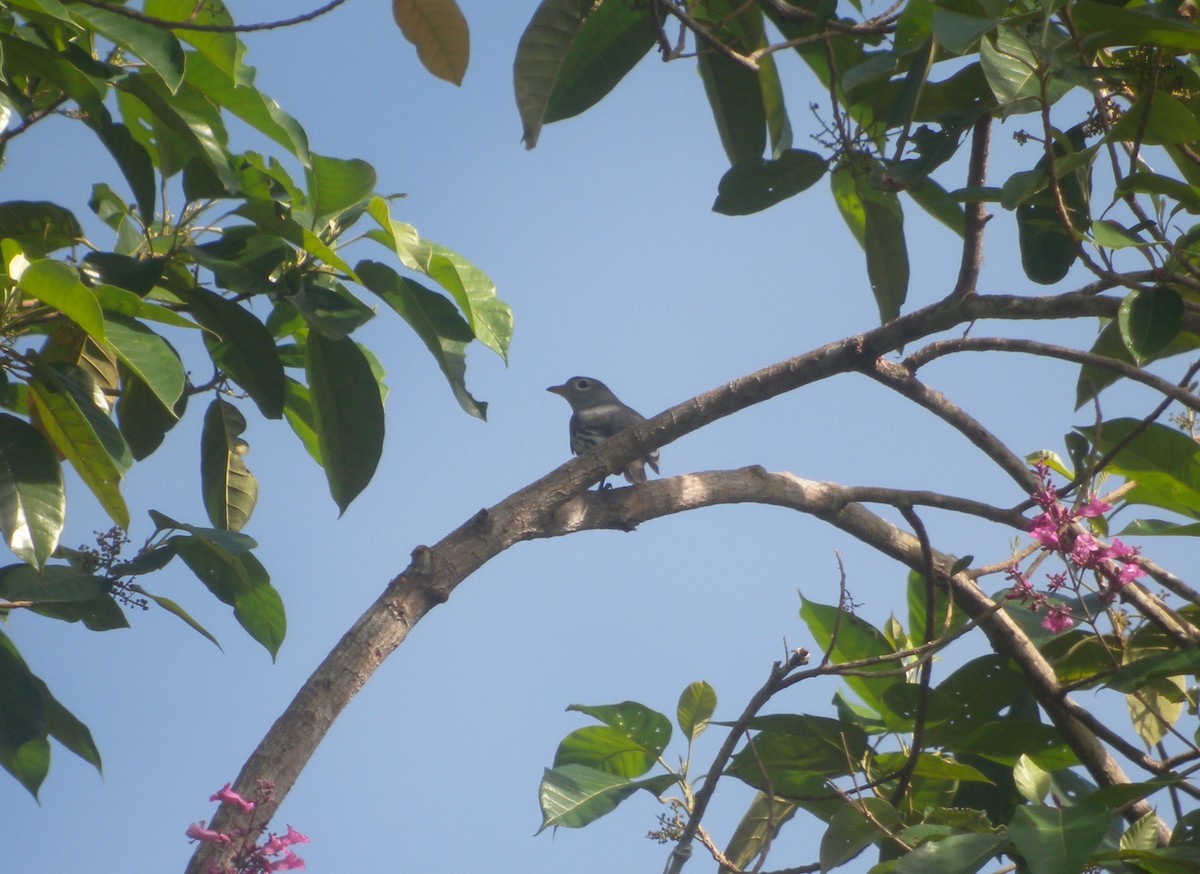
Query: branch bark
pixel 556 505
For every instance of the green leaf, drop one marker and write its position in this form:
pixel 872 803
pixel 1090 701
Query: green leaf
pixel 1150 320
pixel 141 417
pixel 233 542
pixel 297 409
pixel 696 707
pixel 347 413
pixel 245 349
pixel 439 31
pixel 32 498
pixel 852 639
pixel 574 795
pixel 148 356
pixel 67 729
pixel 235 92
pixel 230 490
pixel 1164 463
pixel 434 320
pixel 606 749
pixel 757 183
pixel 174 609
pixel 736 101
pixel 83 433
pixel 1047 248
pixel 854 828
pixel 955 854
pixel 63 592
pixel 240 581
pixel 336 184
pixel 219 46
pixel 1155 119
pixel 876 219
pixel 757 829
pixel 1056 839
pixel 42 225
pixel 571 55
pixel 1100 24
pixel 1186 195
pixel 1160 528
pixel 57 285
pixel 156 46
pixel 28 764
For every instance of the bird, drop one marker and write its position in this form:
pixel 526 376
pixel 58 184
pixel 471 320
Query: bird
pixel 598 414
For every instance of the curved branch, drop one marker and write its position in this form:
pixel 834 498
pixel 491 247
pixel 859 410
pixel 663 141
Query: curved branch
pixel 938 348
pixel 212 28
pixel 541 511
pixel 553 506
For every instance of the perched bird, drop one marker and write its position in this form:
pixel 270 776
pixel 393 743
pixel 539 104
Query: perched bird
pixel 596 415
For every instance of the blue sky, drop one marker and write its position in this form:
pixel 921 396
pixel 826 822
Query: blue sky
pixel 603 242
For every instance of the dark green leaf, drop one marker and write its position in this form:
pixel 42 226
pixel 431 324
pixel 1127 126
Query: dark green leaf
pixel 173 608
pixel 219 46
pixel 855 827
pixel 434 320
pixel 62 592
pixel 1057 839
pixel 156 46
pixel 1102 24
pixel 1150 320
pixel 852 639
pixel 1164 463
pixel 240 581
pixel 245 349
pixel 757 829
pixel 737 106
pixel 230 491
pixel 142 418
pixel 32 498
pixel 41 225
pixel 347 413
pixel 757 183
pixel 956 854
pixel 1048 249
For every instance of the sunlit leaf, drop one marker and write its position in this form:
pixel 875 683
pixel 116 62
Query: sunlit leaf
pixel 230 491
pixel 32 498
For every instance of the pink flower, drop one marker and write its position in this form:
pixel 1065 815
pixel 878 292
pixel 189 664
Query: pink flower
pixel 227 796
pixel 1117 549
pixel 1058 619
pixel 1085 550
pixel 1129 572
pixel 1045 531
pixel 293 837
pixel 1093 508
pixel 289 862
pixel 197 832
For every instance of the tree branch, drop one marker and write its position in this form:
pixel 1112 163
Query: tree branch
pixel 212 28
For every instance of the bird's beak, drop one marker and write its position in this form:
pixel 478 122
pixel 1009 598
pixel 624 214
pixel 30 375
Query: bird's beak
pixel 560 390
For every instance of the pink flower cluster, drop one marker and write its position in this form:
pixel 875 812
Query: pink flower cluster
pixel 275 853
pixel 1114 566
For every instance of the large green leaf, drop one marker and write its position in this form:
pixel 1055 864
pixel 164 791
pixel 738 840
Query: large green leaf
pixel 757 183
pixel 238 580
pixel 157 47
pixel 245 349
pixel 148 356
pixel 876 219
pixel 41 225
pixel 1150 320
pixel 1101 24
pixel 541 56
pixel 736 101
pixel 1164 462
pixel 1048 249
pixel 855 827
pixel 32 499
pixel 63 398
pixel 65 593
pixel 628 743
pixel 347 413
pixel 757 829
pixel 490 319
pixel 954 854
pixel 439 31
pixel 57 285
pixel 143 420
pixel 219 46
pixel 236 93
pixel 336 184
pixel 852 639
pixel 1056 839
pixel 230 491
pixel 575 795
pixel 434 320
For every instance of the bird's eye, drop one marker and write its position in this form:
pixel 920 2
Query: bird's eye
pixel 583 383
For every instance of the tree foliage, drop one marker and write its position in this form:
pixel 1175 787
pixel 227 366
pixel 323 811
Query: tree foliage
pixel 210 271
